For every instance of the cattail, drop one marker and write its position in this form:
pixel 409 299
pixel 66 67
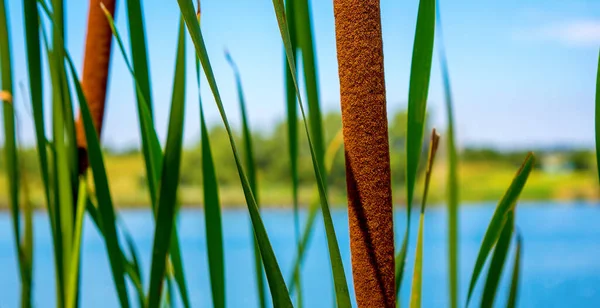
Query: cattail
pixel 364 118
pixel 95 71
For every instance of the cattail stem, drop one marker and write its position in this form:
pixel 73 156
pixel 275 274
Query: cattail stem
pixel 95 71
pixel 364 118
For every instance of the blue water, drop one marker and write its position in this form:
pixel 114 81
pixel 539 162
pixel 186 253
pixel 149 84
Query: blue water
pixel 561 256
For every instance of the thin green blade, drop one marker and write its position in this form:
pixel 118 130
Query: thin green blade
pixel 292 130
pixel 279 292
pixel 497 263
pixel 106 208
pixel 304 39
pixel 452 196
pixel 32 38
pixel 339 277
pixel 514 285
pixel 251 172
pixel 212 208
pixel 73 278
pixel 153 159
pixel 598 116
pixel 167 198
pixel 420 73
pixel 506 205
pixel 417 280
pixel 139 52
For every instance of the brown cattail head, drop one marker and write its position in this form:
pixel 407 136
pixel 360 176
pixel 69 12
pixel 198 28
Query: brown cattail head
pixel 364 118
pixel 95 70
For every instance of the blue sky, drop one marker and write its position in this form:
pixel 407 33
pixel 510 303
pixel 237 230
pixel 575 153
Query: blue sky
pixel 523 72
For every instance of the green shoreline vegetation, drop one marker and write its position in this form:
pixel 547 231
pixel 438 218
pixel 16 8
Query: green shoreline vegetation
pixel 560 174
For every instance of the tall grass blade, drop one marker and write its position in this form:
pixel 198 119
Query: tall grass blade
pixel 420 73
pixel 417 281
pixel 598 117
pixel 251 172
pixel 292 130
pixel 212 207
pixel 304 39
pixel 497 263
pixel 339 277
pixel 514 285
pixel 154 161
pixel 167 198
pixel 53 212
pixel 279 292
pixel 34 66
pixel 73 273
pixel 504 207
pixel 452 197
pixel 139 52
pixel 105 204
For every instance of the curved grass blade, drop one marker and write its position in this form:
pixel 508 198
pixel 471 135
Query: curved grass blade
pixel 212 207
pixel 452 196
pixel 514 285
pixel 279 292
pixel 167 198
pixel 154 161
pixel 417 281
pixel 105 204
pixel 339 277
pixel 504 207
pixel 251 172
pixel 598 116
pixel 420 73
pixel 497 263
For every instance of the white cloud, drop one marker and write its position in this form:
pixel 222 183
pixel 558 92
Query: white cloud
pixel 573 33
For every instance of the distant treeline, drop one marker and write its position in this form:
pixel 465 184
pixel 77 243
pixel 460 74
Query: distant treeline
pixel 272 158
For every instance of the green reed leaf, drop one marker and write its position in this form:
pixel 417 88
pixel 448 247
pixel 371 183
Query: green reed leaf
pixel 452 197
pixel 339 276
pixel 598 117
pixel 139 52
pixel 417 280
pixel 501 215
pixel 167 198
pixel 251 172
pixel 279 292
pixel 514 285
pixel 212 208
pixel 73 273
pixel 420 73
pixel 153 158
pixel 497 263
pixel 105 204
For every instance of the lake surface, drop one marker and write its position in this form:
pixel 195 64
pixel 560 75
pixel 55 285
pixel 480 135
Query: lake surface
pixel 561 256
